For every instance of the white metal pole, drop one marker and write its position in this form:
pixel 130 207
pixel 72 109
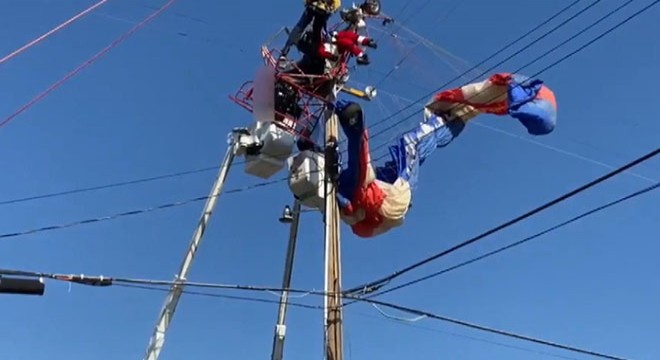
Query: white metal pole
pixel 169 307
pixel 280 328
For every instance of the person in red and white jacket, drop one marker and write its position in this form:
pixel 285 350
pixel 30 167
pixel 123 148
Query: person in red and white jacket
pixel 347 41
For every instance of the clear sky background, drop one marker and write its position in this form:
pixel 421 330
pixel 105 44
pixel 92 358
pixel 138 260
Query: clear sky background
pixel 158 104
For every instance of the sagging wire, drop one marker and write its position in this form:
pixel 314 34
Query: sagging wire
pixel 398 318
pixel 142 211
pixel 151 284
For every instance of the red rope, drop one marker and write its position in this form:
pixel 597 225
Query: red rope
pixel 51 32
pixel 85 64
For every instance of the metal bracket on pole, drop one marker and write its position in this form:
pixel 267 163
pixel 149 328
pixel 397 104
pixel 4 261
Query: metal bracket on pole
pixel 280 328
pixel 171 301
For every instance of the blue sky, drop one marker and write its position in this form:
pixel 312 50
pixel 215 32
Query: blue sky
pixel 158 104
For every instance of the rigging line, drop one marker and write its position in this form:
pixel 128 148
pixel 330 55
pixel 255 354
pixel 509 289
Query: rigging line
pixel 493 330
pixel 106 186
pixel 136 212
pixel 51 32
pixel 525 139
pixel 519 242
pixel 507 46
pixel 87 63
pixel 557 62
pixel 375 285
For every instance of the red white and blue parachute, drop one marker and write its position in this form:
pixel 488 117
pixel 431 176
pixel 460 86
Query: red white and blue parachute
pixel 527 100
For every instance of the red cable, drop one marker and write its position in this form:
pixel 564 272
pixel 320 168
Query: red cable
pixel 51 32
pixel 87 63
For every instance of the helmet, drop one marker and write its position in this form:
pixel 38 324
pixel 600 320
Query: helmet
pixel 351 16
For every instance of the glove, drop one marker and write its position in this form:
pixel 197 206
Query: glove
pixel 372 44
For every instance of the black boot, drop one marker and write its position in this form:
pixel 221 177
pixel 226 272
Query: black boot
pixel 363 60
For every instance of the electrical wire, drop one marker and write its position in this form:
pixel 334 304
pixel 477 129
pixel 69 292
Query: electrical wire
pixel 106 186
pixel 377 284
pixel 223 296
pixel 52 31
pixel 134 212
pixel 517 243
pixel 87 63
pixel 493 330
pixel 149 285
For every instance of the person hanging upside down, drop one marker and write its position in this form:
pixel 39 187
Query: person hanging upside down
pixel 317 12
pixel 347 42
pixel 374 200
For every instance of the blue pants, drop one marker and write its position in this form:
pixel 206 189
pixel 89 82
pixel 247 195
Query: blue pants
pixel 413 148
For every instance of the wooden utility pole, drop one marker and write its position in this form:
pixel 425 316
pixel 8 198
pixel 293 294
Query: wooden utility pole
pixel 334 347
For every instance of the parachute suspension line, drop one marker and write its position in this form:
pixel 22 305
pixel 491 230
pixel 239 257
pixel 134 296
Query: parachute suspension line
pixel 397 65
pixel 501 50
pixel 87 63
pixel 562 59
pixel 51 32
pixel 400 99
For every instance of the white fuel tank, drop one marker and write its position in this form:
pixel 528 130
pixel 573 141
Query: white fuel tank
pixel 276 148
pixel 306 173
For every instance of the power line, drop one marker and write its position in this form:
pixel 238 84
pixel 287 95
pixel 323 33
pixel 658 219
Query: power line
pixel 377 284
pixel 317 307
pixel 492 330
pixel 135 212
pixel 150 285
pixel 106 186
pixel 517 243
pixel 223 296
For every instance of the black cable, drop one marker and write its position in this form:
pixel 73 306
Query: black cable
pixel 515 244
pixel 375 285
pixel 492 330
pixel 135 212
pixel 153 285
pixel 223 296
pixel 107 186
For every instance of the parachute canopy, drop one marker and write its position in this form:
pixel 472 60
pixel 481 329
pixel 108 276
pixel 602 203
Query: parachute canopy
pixel 525 99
